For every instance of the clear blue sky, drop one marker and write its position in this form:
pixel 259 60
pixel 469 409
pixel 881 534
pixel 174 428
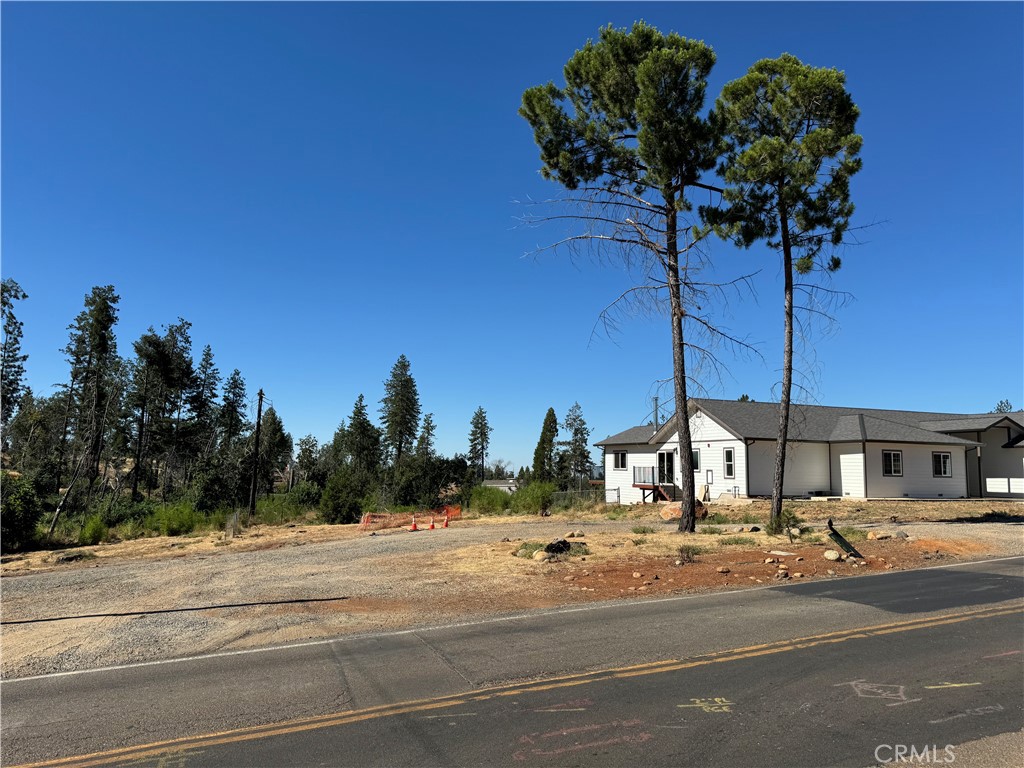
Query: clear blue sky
pixel 320 188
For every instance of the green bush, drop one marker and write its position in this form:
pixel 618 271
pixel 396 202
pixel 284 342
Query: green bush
pixel 717 518
pixel 305 494
pixel 93 532
pixel 788 519
pixel 21 511
pixel 688 552
pixel 644 529
pixel 486 500
pixel 616 512
pixel 532 499
pixel 175 519
pixel 711 529
pixel 341 501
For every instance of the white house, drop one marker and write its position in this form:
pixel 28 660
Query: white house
pixel 855 452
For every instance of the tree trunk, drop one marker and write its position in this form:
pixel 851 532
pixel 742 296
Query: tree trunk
pixel 787 377
pixel 687 521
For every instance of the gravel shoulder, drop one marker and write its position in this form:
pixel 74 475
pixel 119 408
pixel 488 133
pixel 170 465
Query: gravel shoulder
pixel 164 598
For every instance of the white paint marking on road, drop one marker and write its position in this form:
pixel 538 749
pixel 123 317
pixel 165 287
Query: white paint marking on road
pixel 446 717
pixel 478 623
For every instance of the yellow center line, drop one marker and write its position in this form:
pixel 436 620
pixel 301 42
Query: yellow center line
pixel 154 749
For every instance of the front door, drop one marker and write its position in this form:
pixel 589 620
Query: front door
pixel 666 468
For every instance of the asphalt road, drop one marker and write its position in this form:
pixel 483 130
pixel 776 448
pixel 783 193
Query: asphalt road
pixel 839 672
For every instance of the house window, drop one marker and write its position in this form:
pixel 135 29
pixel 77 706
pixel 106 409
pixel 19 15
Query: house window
pixel 696 459
pixel 942 465
pixel 892 463
pixel 620 459
pixel 730 463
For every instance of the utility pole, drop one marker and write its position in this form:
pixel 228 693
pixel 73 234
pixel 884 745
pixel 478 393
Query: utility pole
pixel 656 416
pixel 256 460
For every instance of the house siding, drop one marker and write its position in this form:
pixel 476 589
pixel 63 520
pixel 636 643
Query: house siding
pixel 917 480
pixel 618 483
pixel 807 468
pixel 711 439
pixel 848 470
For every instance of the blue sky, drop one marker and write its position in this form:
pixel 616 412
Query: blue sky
pixel 322 187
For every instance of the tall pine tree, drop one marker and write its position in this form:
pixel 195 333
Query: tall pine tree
pixel 400 409
pixel 544 467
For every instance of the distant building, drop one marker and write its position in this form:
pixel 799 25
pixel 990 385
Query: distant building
pixel 508 486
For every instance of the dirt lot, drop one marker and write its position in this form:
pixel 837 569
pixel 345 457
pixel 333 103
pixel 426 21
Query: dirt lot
pixel 160 598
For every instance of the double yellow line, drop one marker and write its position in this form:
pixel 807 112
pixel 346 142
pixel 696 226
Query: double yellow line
pixel 156 749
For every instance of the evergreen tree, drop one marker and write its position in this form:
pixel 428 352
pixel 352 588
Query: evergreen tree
pixel 204 407
pixel 544 454
pixel 479 439
pixel 275 450
pixel 1003 406
pixel 363 442
pixel 626 136
pixel 234 419
pixel 425 445
pixel 400 409
pixel 576 449
pixel 12 361
pixel 306 460
pixel 791 151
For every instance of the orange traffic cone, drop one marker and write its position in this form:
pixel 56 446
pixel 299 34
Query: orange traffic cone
pixel 445 520
pixel 431 523
pixel 414 528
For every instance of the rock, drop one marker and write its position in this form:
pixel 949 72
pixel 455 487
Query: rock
pixel 795 532
pixel 569 578
pixel 657 577
pixel 797 575
pixel 901 535
pixel 879 535
pixel 780 553
pixel 780 575
pixel 769 560
pixel 679 562
pixel 506 539
pixel 558 547
pixel 783 567
pixel 831 572
pixel 642 589
pixel 831 554
pixel 637 574
pixel 799 559
pixel 570 535
pixel 541 556
pixel 648 583
pixel 753 529
pixel 580 535
pixel 722 569
pixel 738 529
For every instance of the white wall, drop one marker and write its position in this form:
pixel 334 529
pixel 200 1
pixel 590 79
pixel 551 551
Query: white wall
pixel 807 468
pixel 917 480
pixel 622 479
pixel 711 440
pixel 848 470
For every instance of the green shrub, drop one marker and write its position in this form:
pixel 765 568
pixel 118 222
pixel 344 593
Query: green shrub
pixel 688 552
pixel 21 509
pixel 341 501
pixel 533 499
pixel 93 532
pixel 486 500
pixel 305 495
pixel 130 529
pixel 616 512
pixel 750 519
pixel 175 519
pixel 788 519
pixel 717 518
pixel 711 529
pixel 644 529
pixel 745 541
pixel 578 548
pixel 528 549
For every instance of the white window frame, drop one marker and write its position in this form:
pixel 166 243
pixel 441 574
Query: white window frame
pixel 946 470
pixel 615 460
pixel 895 463
pixel 729 463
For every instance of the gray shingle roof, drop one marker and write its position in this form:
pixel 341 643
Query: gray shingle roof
pixel 824 423
pixel 632 436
